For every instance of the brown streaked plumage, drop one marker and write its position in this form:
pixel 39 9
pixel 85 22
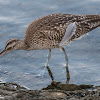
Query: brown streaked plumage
pixel 48 32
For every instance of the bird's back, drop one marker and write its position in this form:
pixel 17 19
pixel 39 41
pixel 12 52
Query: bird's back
pixel 47 32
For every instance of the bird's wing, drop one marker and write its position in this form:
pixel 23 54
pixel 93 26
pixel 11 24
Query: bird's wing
pixel 49 34
pixel 70 31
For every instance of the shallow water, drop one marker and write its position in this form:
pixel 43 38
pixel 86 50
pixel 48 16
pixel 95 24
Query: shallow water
pixel 27 68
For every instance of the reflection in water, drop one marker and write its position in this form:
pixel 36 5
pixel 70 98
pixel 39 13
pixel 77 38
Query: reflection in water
pixel 50 73
pixel 52 78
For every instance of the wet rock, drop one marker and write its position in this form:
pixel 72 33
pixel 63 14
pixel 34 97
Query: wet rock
pixel 55 91
pixel 67 87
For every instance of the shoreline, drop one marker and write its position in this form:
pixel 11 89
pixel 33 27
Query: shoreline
pixel 55 91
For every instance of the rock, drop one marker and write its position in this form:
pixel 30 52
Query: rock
pixel 55 91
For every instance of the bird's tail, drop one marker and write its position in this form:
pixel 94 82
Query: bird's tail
pixel 94 20
pixel 87 23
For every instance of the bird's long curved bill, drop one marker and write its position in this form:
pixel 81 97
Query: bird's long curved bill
pixel 3 52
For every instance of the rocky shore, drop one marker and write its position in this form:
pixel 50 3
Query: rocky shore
pixel 55 91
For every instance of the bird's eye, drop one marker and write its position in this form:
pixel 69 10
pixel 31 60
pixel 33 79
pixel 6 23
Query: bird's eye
pixel 9 48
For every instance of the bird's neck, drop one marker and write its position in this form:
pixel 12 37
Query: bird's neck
pixel 22 45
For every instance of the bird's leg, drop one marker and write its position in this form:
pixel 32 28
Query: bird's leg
pixel 67 70
pixel 47 65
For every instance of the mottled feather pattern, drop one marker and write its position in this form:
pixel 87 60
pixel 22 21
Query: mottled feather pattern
pixel 48 31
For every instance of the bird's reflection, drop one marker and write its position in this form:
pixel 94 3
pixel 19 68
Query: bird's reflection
pixel 67 86
pixel 67 74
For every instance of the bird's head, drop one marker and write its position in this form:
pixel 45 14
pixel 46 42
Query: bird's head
pixel 11 45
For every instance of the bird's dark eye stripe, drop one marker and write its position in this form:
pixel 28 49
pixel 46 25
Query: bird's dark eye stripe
pixel 9 48
pixel 11 42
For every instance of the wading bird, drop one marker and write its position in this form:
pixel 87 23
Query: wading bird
pixel 53 31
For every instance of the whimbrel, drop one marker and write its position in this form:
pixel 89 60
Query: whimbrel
pixel 53 31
